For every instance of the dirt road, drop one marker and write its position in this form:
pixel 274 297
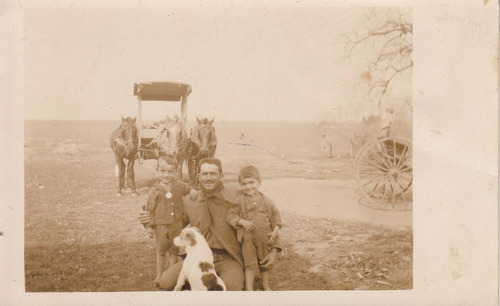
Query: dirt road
pixel 335 198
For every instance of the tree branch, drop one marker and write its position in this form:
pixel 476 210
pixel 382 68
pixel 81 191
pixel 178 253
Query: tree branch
pixel 393 43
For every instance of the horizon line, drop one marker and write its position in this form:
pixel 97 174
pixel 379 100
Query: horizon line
pixel 266 121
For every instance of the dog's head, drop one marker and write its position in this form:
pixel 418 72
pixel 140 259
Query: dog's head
pixel 188 237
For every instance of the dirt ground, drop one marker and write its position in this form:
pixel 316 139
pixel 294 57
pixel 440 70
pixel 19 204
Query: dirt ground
pixel 71 203
pixel 334 198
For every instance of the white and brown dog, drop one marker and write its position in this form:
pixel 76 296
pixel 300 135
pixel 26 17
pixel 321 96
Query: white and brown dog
pixel 198 267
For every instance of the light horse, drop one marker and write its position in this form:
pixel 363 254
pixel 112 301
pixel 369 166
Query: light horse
pixel 123 141
pixel 172 141
pixel 202 144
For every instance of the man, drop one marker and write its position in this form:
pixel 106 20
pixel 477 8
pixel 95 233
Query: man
pixel 326 145
pixel 208 213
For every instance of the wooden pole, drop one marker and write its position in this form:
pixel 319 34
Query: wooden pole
pixel 139 115
pixel 184 109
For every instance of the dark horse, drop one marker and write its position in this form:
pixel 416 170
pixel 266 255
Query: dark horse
pixel 202 144
pixel 172 141
pixel 123 141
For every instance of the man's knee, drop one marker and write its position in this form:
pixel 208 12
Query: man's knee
pixel 169 278
pixel 234 284
pixel 232 275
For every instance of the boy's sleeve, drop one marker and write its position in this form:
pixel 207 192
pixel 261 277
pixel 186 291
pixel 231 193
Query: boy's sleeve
pixel 185 217
pixel 233 215
pixel 277 244
pixel 150 206
pixel 274 214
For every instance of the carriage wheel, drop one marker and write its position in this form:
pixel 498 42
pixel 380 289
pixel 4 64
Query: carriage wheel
pixel 383 170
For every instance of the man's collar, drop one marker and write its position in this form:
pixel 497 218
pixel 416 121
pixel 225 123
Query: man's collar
pixel 214 193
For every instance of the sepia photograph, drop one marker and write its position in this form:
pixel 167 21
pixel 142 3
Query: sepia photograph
pixel 233 147
pixel 306 115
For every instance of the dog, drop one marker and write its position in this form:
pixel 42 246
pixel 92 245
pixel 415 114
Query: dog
pixel 198 267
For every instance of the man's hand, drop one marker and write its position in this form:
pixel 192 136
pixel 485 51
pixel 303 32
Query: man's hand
pixel 144 217
pixel 193 194
pixel 248 225
pixel 151 232
pixel 268 261
pixel 273 237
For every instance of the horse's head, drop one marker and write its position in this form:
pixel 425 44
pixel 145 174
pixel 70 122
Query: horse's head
pixel 174 139
pixel 128 133
pixel 204 134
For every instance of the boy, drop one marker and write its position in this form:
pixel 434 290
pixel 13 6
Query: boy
pixel 165 205
pixel 257 221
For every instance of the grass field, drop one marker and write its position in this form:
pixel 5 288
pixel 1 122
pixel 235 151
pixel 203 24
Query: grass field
pixel 319 254
pixel 80 237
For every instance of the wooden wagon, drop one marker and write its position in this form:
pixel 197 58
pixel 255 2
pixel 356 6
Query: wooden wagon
pixel 157 91
pixel 383 169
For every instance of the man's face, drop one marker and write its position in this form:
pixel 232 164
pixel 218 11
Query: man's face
pixel 209 177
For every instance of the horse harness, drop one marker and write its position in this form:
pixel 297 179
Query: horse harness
pixel 119 140
pixel 165 129
pixel 194 133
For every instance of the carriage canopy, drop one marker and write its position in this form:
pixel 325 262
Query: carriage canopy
pixel 158 91
pixel 161 91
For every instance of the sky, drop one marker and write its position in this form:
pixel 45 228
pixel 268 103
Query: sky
pixel 244 64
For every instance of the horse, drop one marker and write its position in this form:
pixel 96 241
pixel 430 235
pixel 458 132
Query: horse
pixel 172 141
pixel 123 142
pixel 202 144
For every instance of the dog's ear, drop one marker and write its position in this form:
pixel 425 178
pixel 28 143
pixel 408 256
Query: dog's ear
pixel 190 238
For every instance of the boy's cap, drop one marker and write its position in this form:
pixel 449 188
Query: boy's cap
pixel 249 171
pixel 169 160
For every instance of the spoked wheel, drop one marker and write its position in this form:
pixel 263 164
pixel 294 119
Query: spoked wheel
pixel 384 173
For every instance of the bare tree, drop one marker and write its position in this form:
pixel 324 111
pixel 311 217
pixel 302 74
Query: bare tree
pixel 391 46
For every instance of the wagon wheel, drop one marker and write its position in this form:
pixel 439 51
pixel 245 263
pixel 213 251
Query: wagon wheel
pixel 383 170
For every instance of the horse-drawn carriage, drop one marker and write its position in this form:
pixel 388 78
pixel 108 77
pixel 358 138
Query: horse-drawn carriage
pixel 137 139
pixel 384 171
pixel 169 136
pixel 150 142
